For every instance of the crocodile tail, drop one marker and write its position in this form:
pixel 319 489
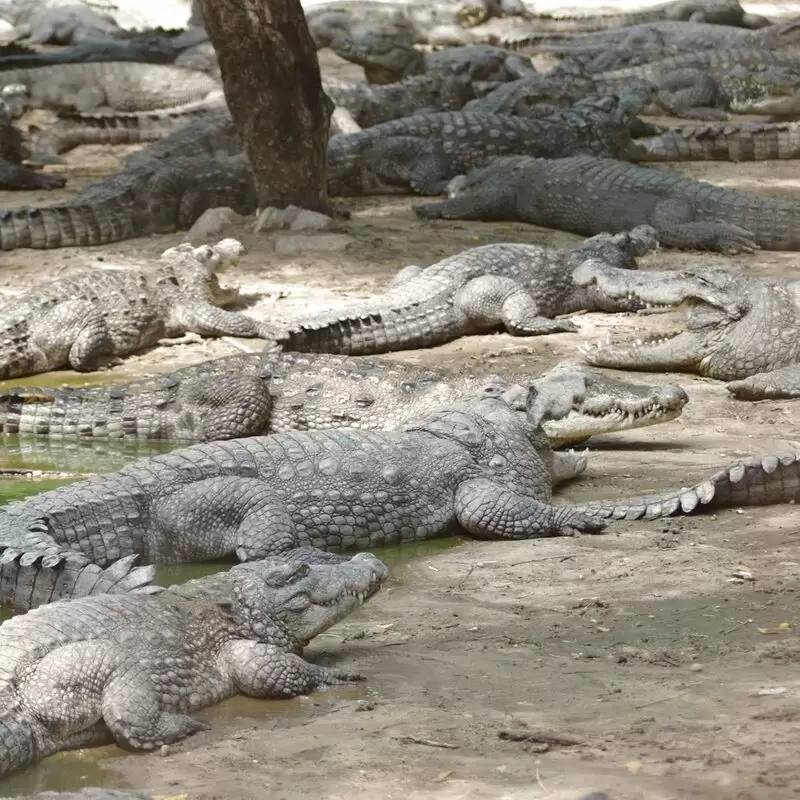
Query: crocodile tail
pixel 756 481
pixel 71 224
pixel 29 579
pixel 19 745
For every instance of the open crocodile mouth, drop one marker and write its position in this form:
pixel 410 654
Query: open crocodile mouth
pixel 586 420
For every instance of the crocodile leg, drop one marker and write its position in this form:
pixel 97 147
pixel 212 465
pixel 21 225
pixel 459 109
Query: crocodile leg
pixel 263 670
pixel 488 510
pixel 779 383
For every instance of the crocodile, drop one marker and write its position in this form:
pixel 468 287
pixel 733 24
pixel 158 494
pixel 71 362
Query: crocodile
pixel 782 383
pixel 144 48
pixel 585 195
pixel 713 12
pixel 738 325
pixel 518 287
pixel 368 104
pixel 424 152
pixel 13 175
pixel 482 467
pixel 751 141
pixel 150 195
pixel 701 84
pixel 774 89
pixel 73 129
pixel 91 316
pixel 387 59
pixel 419 17
pixel 255 394
pixel 123 85
pixel 677 35
pixel 141 663
pixel 42 22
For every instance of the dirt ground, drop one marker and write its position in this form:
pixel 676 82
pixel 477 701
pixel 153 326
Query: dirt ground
pixel 670 679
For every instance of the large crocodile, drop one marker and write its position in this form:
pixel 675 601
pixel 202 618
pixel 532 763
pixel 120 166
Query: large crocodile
pixel 130 669
pixel 518 287
pixel 738 325
pixel 123 85
pixel 249 395
pixel 424 152
pixel 584 194
pixel 482 466
pixel 95 315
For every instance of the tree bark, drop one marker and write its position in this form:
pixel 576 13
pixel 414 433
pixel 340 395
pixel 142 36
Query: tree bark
pixel 270 73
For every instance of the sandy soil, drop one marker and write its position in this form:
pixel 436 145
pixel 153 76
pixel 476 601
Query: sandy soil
pixel 672 680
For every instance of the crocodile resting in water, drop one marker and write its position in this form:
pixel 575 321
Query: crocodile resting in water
pixel 130 669
pixel 482 466
pixel 250 395
pixel 738 326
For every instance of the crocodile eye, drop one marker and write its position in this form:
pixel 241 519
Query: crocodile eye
pixel 365 402
pixel 301 571
pixel 315 389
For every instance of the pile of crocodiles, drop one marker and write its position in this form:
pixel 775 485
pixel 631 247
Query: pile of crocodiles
pixel 299 456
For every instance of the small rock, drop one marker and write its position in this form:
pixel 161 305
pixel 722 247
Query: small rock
pixel 697 668
pixel 366 705
pixel 165 750
pixel 213 220
pixel 292 218
pixel 297 243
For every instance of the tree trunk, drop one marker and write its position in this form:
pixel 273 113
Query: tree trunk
pixel 270 74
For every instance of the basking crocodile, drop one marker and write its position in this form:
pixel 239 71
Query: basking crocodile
pixel 424 152
pixel 482 466
pixel 368 104
pixel 151 195
pixel 738 325
pixel 92 316
pixel 249 395
pixel 715 12
pixel 751 141
pixel 123 85
pixel 170 183
pixel 585 195
pixel 518 287
pixel 140 664
pixel 386 59
pixel 418 16
pixel 704 84
pixel 677 35
pixel 73 129
pixel 89 793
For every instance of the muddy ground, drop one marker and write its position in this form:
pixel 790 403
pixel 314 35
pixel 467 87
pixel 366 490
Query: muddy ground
pixel 672 680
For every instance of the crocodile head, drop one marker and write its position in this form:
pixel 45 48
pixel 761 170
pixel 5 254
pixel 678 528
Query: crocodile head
pixel 737 325
pixel 596 404
pixel 292 602
pixel 770 90
pixel 386 52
